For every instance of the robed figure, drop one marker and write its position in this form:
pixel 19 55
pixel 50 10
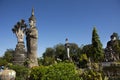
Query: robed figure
pixel 31 40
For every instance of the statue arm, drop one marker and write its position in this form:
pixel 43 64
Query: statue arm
pixel 34 34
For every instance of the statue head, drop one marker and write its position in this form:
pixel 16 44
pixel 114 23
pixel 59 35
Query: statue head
pixel 32 23
pixel 32 20
pixel 113 38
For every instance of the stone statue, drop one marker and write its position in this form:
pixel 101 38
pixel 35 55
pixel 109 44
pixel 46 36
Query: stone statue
pixel 20 54
pixel 110 54
pixel 31 38
pixel 7 74
pixel 19 30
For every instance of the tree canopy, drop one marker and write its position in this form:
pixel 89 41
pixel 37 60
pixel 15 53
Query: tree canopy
pixel 97 49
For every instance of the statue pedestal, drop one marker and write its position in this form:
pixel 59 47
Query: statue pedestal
pixel 20 54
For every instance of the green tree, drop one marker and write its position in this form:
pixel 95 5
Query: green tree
pixel 60 51
pixel 40 61
pixel 48 57
pixel 83 60
pixel 8 55
pixel 48 61
pixel 88 50
pixel 22 72
pixel 49 52
pixel 3 62
pixel 74 48
pixel 97 50
pixel 74 51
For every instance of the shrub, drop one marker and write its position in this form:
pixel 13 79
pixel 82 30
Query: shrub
pixel 60 71
pixel 22 72
pixel 37 73
pixel 91 75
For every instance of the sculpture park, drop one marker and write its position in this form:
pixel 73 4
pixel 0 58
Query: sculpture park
pixel 81 50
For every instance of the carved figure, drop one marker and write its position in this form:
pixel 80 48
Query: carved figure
pixel 20 54
pixel 110 54
pixel 19 30
pixel 31 38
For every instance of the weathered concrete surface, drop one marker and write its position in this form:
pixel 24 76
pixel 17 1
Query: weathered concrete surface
pixel 20 54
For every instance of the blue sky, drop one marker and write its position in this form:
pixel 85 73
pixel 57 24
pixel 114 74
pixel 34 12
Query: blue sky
pixel 58 19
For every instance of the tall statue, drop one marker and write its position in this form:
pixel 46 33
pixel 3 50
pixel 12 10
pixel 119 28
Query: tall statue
pixel 110 51
pixel 19 55
pixel 31 38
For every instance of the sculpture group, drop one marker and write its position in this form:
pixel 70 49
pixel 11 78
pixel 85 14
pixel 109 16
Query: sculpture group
pixel 26 56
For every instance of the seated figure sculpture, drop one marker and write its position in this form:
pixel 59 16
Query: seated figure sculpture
pixel 110 54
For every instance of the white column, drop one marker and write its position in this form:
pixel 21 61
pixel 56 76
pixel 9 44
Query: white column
pixel 68 52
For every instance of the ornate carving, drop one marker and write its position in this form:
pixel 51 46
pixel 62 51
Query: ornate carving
pixel 19 30
pixel 20 54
